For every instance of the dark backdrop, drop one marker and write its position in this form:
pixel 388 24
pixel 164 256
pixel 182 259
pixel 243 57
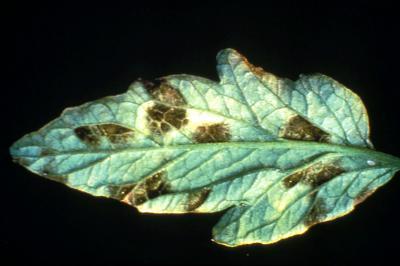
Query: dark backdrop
pixel 66 55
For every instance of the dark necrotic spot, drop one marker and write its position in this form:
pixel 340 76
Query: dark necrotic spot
pixel 293 179
pixel 197 198
pixel 92 134
pixel 119 192
pixel 149 188
pixel 317 212
pixel 322 174
pixel 218 132
pixel 162 118
pixel 165 127
pixel 175 117
pixel 163 92
pixel 158 111
pixel 314 175
pixel 87 134
pixel 155 185
pixel 150 86
pixel 299 128
pixel 115 133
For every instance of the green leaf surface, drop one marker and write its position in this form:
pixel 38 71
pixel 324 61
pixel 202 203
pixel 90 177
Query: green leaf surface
pixel 277 156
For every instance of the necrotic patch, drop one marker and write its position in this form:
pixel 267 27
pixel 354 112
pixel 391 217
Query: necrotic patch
pixel 299 128
pixel 93 134
pixel 149 188
pixel 162 118
pixel 218 132
pixel 314 175
pixel 120 192
pixel 87 134
pixel 161 91
pixel 197 198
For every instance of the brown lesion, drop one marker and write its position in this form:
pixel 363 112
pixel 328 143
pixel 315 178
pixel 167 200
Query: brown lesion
pixel 196 199
pixel 299 128
pixel 218 132
pixel 149 188
pixel 120 192
pixel 291 180
pixel 259 71
pixel 315 175
pixel 161 91
pixel 92 134
pixel 88 134
pixel 317 212
pixel 162 118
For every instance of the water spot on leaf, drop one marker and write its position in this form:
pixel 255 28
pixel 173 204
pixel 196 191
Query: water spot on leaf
pixel 218 132
pixel 299 128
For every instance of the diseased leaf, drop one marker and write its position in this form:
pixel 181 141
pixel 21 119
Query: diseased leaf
pixel 277 155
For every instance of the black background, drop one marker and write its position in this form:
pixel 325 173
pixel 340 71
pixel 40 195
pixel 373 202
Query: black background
pixel 66 55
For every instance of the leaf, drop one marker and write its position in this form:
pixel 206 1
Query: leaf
pixel 278 155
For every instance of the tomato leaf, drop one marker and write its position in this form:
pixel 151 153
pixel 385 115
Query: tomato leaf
pixel 278 155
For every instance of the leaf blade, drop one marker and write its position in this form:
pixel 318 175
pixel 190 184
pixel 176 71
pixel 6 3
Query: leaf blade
pixel 254 143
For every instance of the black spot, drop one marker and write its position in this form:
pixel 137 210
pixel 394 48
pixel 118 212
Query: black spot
pixel 314 175
pixel 299 128
pixel 197 198
pixel 218 132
